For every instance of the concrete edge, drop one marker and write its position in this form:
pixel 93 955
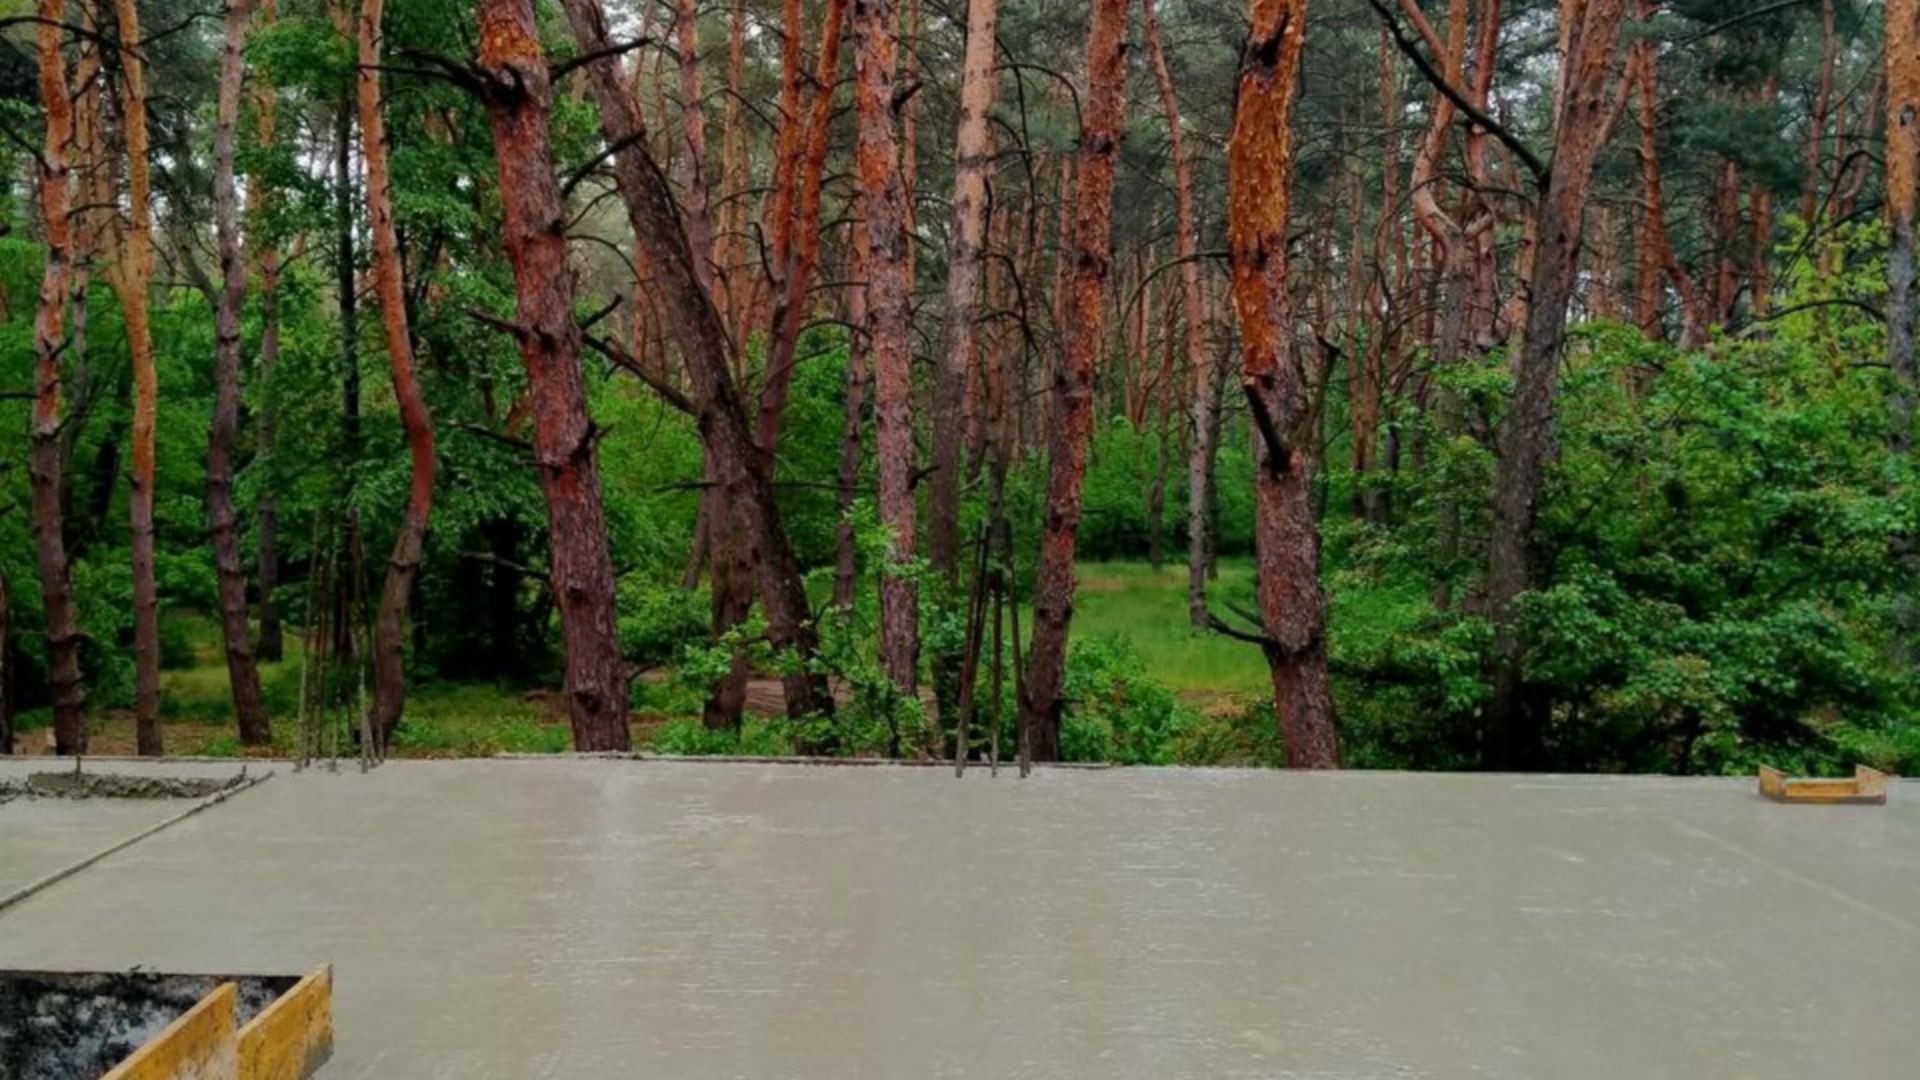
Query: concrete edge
pixel 29 890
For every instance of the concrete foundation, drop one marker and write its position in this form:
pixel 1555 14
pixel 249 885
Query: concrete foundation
pixel 595 919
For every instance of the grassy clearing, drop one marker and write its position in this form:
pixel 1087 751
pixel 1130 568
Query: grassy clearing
pixel 1125 602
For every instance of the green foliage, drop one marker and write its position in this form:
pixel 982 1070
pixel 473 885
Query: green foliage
pixel 1114 712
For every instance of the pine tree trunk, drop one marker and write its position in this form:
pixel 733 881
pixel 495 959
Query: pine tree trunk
pixel 1903 177
pixel 1515 733
pixel 846 567
pixel 132 277
pixel 1274 377
pixel 43 454
pixel 271 643
pixel 519 100
pixel 889 322
pixel 693 132
pixel 703 343
pixel 973 165
pixel 1071 421
pixel 223 522
pixel 389 665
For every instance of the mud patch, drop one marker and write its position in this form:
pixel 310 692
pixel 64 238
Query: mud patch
pixel 78 1025
pixel 85 785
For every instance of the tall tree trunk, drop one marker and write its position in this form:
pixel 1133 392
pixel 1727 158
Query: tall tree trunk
pixel 889 328
pixel 1274 377
pixel 519 98
pixel 389 665
pixel 693 132
pixel 973 164
pixel 43 455
pixel 1903 177
pixel 223 522
pixel 1515 731
pixel 271 643
pixel 131 281
pixel 1071 423
pixel 704 346
pixel 803 246
pixel 846 568
pixel 1193 328
pixel 348 297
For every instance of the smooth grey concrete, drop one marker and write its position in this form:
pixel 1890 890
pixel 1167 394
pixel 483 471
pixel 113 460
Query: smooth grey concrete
pixel 534 920
pixel 39 837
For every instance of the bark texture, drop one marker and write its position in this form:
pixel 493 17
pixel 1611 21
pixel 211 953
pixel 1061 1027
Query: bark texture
pixel 1071 421
pixel 1516 733
pixel 49 343
pixel 519 99
pixel 389 620
pixel 223 520
pixel 1903 177
pixel 133 277
pixel 889 328
pixel 1273 375
pixel 704 345
pixel 272 644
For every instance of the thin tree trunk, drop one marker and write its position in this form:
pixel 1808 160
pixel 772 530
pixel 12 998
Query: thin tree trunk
pixel 693 128
pixel 389 665
pixel 43 455
pixel 973 164
pixel 271 644
pixel 1071 424
pixel 846 567
pixel 889 322
pixel 519 98
pixel 1515 735
pixel 704 344
pixel 1193 328
pixel 131 281
pixel 223 522
pixel 1903 177
pixel 796 278
pixel 1274 377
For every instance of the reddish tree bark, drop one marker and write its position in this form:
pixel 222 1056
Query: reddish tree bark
pixel 1274 377
pixel 389 666
pixel 889 326
pixel 223 521
pixel 703 341
pixel 1071 420
pixel 519 98
pixel 803 246
pixel 131 280
pixel 1585 115
pixel 693 132
pixel 271 642
pixel 43 454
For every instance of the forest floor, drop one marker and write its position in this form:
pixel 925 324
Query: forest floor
pixel 1129 602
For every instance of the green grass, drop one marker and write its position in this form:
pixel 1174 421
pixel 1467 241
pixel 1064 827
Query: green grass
pixel 1148 610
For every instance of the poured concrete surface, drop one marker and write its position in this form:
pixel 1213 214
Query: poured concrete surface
pixel 40 836
pixel 529 920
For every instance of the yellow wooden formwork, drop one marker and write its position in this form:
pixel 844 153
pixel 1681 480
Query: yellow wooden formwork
pixel 289 1040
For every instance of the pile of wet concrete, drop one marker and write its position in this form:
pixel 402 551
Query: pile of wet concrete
pixel 72 784
pixel 79 1025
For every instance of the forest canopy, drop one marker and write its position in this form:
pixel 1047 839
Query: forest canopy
pixel 1373 383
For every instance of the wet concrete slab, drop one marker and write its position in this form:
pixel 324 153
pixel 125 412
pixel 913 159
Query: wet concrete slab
pixel 586 919
pixel 41 836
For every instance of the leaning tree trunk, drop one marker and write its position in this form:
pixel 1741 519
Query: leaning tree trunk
pixel 973 162
pixel 1072 395
pixel 131 281
pixel 1274 377
pixel 1586 111
pixel 889 327
pixel 1903 166
pixel 389 638
pixel 223 523
pixel 519 97
pixel 703 342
